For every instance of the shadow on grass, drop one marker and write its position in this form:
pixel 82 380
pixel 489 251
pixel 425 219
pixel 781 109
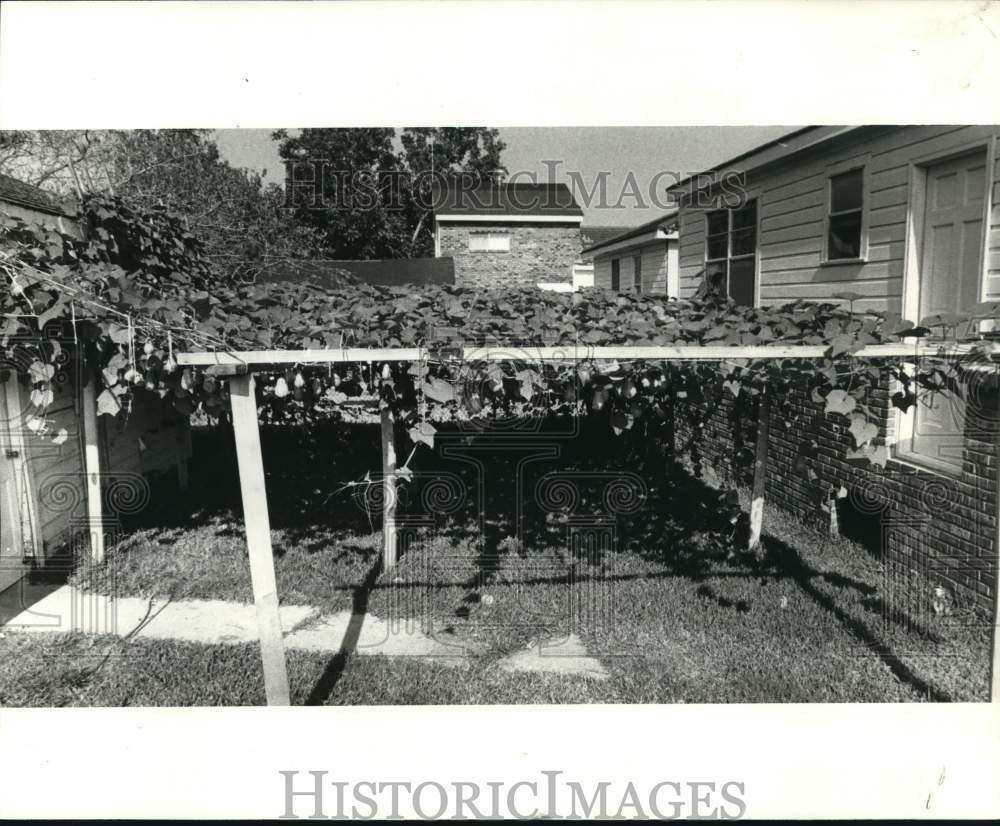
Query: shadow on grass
pixel 680 525
pixel 334 670
pixel 788 560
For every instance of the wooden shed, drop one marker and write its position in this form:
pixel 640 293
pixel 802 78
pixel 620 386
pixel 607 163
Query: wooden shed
pixel 54 493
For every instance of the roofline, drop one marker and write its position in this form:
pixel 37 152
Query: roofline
pixel 54 209
pixel 761 155
pixel 638 233
pixel 503 218
pixel 634 242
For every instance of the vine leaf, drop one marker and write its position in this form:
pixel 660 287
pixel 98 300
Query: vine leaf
pixel 107 404
pixel 60 436
pixel 903 400
pixel 838 401
pixel 876 455
pixel 42 398
pixel 39 372
pixel 438 390
pixel 862 430
pixel 423 432
pixel 118 334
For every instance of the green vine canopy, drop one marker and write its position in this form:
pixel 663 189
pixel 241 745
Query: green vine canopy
pixel 133 289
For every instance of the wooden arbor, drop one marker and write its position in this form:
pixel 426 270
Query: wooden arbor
pixel 241 366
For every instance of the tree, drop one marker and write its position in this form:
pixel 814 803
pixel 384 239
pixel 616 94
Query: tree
pixel 370 195
pixel 241 221
pixel 446 150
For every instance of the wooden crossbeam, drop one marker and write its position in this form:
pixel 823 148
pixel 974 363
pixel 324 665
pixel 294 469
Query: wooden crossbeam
pixel 685 352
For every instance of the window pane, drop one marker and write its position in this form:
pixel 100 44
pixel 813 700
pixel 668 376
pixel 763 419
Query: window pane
pixel 715 274
pixel 939 427
pixel 637 269
pixel 616 275
pixel 741 281
pixel 745 216
pixel 717 246
pixel 718 222
pixel 845 236
pixel 845 190
pixel 744 241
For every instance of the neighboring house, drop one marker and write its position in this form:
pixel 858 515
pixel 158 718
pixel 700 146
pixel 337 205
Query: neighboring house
pixel 43 486
pixel 909 219
pixel 643 259
pixel 509 234
pixel 593 236
pixel 583 269
pixel 395 272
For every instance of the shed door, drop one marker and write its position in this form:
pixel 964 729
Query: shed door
pixel 14 519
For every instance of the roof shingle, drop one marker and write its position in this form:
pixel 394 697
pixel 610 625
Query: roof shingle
pixel 517 199
pixel 26 195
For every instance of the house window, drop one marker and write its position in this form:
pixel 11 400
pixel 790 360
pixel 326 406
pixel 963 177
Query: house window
pixel 731 251
pixel 616 275
pixel 637 268
pixel 844 225
pixel 489 242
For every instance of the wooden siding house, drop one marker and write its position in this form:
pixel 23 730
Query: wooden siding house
pixel 643 259
pixel 907 218
pixel 45 493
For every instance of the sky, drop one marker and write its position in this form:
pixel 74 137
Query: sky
pixel 633 159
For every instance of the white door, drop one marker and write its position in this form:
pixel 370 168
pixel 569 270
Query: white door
pixel 15 522
pixel 951 262
pixel 951 266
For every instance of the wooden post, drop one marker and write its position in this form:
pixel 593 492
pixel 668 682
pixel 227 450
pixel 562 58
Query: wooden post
pixel 760 470
pixel 389 536
pixel 92 467
pixel 258 528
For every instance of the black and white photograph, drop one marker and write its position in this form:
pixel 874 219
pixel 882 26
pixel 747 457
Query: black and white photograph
pixel 329 411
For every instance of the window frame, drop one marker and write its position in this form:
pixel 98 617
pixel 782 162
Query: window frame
pixel 489 238
pixel 754 255
pixel 862 163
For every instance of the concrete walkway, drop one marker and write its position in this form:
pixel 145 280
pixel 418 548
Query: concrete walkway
pixel 564 656
pixel 217 622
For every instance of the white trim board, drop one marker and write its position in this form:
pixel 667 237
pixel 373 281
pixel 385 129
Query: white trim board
pixel 503 218
pixel 499 352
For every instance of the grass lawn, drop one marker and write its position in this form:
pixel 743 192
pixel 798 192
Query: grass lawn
pixel 672 614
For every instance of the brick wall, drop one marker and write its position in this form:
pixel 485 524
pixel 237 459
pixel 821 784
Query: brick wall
pixel 941 524
pixel 538 252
